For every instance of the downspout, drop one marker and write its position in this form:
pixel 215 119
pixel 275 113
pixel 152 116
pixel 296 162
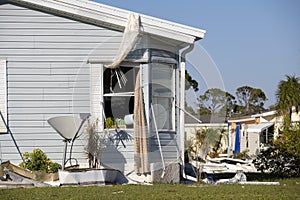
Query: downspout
pixel 182 103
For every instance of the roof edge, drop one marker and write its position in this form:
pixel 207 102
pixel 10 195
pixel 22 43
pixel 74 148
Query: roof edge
pixel 115 18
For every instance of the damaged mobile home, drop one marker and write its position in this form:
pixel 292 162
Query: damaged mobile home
pixel 67 57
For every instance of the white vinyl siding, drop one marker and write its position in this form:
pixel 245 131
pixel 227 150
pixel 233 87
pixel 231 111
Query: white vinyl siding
pixel 3 95
pixel 96 94
pixel 48 75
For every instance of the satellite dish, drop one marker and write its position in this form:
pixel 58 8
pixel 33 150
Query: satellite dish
pixel 66 126
pixel 69 127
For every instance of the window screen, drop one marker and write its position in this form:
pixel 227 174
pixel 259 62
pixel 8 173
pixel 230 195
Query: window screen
pixel 163 94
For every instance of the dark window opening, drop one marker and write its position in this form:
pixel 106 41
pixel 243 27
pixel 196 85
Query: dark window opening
pixel 118 107
pixel 118 86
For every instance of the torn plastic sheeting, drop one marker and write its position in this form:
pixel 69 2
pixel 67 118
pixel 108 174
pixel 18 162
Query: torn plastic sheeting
pixel 129 40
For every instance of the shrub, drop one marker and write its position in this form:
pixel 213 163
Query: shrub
pixel 94 145
pixel 38 161
pixel 244 155
pixel 282 159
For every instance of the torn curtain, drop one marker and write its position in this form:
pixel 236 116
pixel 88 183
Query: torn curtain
pixel 141 164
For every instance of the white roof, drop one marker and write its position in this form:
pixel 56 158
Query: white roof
pixel 264 114
pixel 257 128
pixel 115 18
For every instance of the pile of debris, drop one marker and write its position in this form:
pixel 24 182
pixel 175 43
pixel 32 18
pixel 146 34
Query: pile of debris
pixel 12 176
pixel 225 171
pixel 228 165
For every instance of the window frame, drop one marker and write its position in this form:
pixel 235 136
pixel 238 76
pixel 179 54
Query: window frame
pixel 117 94
pixel 171 98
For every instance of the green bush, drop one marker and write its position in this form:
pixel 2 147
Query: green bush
pixel 282 158
pixel 38 161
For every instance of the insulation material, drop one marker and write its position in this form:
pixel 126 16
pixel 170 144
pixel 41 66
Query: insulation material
pixel 129 40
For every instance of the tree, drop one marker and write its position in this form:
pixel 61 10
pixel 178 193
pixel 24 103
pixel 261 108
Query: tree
pixel 252 99
pixel 217 147
pixel 203 142
pixel 190 110
pixel 215 99
pixel 199 146
pixel 287 96
pixel 230 105
pixel 282 158
pixel 203 110
pixel 190 82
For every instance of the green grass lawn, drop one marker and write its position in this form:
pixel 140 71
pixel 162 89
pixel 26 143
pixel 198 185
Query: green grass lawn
pixel 288 189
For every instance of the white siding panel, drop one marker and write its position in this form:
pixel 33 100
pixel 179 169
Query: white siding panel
pixel 63 39
pixel 36 130
pixel 48 71
pixel 41 25
pixel 96 94
pixel 54 91
pixel 65 52
pixel 27 18
pixel 48 75
pixel 53 45
pixel 55 58
pixel 46 65
pixel 3 95
pixel 48 84
pixel 56 32
pixel 48 78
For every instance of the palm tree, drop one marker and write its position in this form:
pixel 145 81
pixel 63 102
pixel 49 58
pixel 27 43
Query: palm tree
pixel 287 96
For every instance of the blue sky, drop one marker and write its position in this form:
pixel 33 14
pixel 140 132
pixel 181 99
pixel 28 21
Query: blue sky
pixel 253 43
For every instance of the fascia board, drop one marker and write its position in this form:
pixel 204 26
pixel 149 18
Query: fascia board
pixel 241 120
pixel 146 21
pixel 169 35
pixel 264 114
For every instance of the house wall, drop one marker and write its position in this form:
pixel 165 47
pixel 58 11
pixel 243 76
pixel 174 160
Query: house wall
pixel 254 143
pixel 47 75
pixel 243 139
pixel 252 139
pixel 3 99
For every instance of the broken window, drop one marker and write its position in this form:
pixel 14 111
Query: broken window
pixel 118 95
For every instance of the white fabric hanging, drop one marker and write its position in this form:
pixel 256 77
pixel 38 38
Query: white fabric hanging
pixel 130 38
pixel 141 160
